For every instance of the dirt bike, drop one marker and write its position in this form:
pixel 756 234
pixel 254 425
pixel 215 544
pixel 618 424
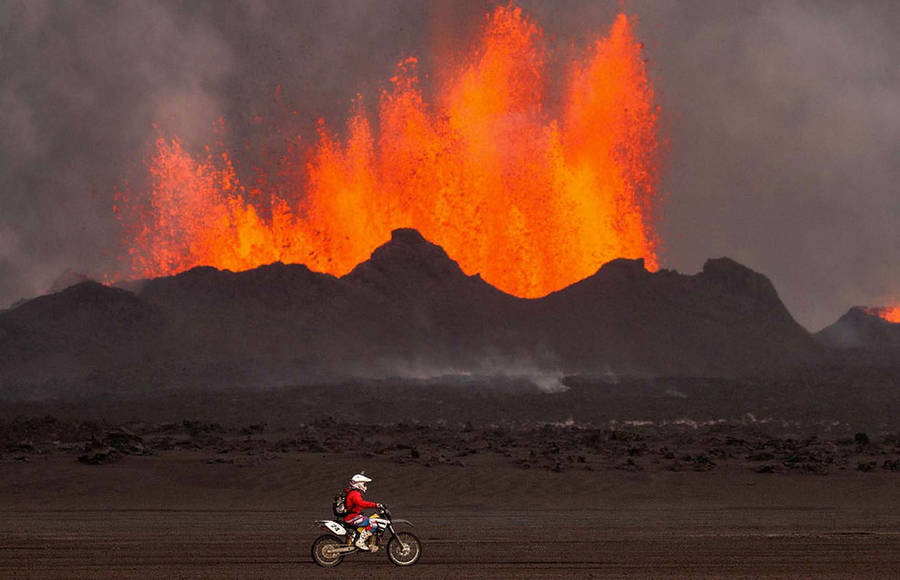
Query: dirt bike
pixel 403 548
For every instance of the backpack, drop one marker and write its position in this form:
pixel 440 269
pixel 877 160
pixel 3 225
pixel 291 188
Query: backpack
pixel 339 506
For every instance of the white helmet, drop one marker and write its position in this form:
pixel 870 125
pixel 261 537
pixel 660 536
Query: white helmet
pixel 359 481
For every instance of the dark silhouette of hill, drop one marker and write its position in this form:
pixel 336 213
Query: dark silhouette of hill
pixel 65 336
pixel 408 310
pixel 726 319
pixel 409 304
pixel 863 338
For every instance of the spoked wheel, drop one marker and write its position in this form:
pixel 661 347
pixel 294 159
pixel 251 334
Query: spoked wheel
pixel 404 549
pixel 324 551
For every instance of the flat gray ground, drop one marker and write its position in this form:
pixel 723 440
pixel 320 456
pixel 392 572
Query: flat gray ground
pixel 176 515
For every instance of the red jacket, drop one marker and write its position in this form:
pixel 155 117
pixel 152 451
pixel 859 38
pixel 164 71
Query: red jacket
pixel 356 503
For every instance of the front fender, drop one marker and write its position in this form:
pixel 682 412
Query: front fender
pixel 407 522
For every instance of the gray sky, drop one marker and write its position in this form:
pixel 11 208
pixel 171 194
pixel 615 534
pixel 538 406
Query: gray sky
pixel 783 118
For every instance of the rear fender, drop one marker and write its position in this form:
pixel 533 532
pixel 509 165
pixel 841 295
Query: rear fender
pixel 333 527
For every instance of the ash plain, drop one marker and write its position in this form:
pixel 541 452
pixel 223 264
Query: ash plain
pixel 665 477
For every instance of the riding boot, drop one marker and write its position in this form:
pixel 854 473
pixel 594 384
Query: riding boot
pixel 361 540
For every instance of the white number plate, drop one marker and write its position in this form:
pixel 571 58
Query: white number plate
pixel 336 528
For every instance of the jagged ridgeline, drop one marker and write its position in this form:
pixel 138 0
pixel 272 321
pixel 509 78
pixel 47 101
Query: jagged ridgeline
pixel 408 306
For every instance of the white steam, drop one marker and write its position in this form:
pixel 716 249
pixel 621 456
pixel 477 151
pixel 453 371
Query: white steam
pixel 491 371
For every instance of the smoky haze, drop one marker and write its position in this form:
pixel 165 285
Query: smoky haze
pixel 782 119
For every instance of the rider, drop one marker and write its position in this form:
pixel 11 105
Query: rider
pixel 355 505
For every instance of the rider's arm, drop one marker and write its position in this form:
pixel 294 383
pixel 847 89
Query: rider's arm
pixel 367 504
pixel 355 499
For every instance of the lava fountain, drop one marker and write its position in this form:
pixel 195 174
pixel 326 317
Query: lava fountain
pixel 889 313
pixel 533 200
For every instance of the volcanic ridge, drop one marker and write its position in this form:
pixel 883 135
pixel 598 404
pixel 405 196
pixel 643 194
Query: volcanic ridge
pixel 409 310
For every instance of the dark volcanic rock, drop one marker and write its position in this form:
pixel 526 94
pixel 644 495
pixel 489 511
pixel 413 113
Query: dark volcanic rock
pixel 406 263
pixel 857 329
pixel 734 278
pixel 95 455
pixel 227 322
pixel 412 302
pixel 85 312
pixel 71 333
pixel 726 319
pixel 409 306
pixel 124 441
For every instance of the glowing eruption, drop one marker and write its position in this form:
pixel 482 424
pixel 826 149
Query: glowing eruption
pixel 530 200
pixel 891 314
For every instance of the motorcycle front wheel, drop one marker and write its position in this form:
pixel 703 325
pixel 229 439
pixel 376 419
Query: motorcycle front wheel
pixel 323 551
pixel 404 549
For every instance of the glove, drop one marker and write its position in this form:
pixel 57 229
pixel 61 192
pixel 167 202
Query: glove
pixel 380 506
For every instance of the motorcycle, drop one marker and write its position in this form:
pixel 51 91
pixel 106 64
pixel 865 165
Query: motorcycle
pixel 403 548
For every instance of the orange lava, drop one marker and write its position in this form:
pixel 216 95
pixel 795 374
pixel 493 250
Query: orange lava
pixel 531 201
pixel 891 314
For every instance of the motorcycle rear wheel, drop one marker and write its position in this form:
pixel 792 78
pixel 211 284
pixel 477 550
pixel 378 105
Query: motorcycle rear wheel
pixel 404 549
pixel 322 551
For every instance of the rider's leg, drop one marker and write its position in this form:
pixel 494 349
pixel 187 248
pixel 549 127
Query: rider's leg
pixel 357 521
pixel 373 541
pixel 365 525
